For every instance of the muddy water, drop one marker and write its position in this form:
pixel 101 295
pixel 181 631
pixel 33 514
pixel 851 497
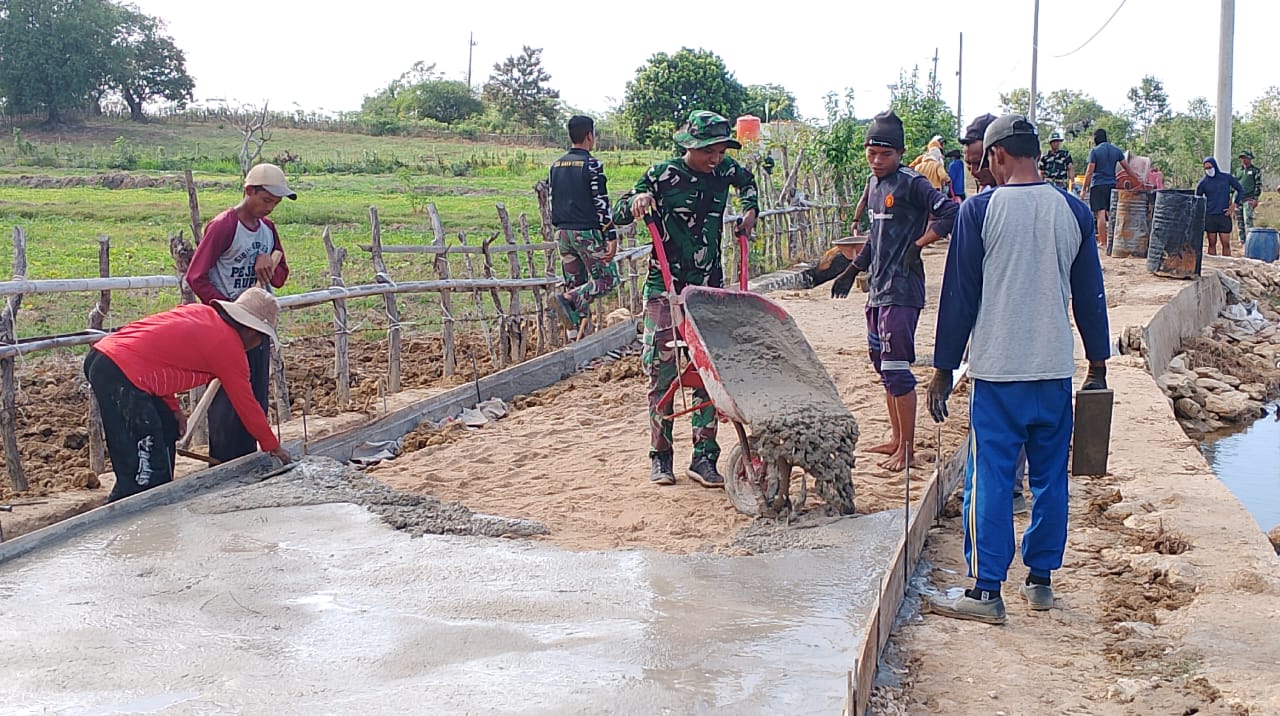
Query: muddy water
pixel 324 608
pixel 1248 461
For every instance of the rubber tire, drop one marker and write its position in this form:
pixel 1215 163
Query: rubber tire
pixel 737 485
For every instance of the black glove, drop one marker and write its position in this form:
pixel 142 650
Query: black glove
pixel 843 283
pixel 939 391
pixel 1096 379
pixel 911 261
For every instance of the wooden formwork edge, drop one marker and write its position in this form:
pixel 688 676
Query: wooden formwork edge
pixel 893 587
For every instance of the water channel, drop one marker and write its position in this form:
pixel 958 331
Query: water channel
pixel 1248 462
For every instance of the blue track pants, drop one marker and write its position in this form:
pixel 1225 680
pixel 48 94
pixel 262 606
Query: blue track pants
pixel 1005 418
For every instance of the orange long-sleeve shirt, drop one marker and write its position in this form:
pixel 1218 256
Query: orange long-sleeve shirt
pixel 177 350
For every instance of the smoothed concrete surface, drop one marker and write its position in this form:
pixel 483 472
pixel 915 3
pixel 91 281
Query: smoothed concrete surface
pixel 323 609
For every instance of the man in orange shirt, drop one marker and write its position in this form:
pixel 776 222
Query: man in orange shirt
pixel 136 372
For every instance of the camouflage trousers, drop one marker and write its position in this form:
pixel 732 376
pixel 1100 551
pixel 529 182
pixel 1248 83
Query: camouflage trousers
pixel 660 365
pixel 587 273
pixel 1244 219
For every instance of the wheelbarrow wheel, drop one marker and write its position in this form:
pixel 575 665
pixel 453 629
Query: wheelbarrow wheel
pixel 738 483
pixel 743 487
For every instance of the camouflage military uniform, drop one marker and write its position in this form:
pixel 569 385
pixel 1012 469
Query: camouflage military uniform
pixel 691 209
pixel 1251 179
pixel 1053 166
pixel 584 259
pixel 584 226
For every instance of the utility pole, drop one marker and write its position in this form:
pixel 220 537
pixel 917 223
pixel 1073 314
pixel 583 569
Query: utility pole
pixel 471 42
pixel 933 78
pixel 960 88
pixel 1226 52
pixel 1035 57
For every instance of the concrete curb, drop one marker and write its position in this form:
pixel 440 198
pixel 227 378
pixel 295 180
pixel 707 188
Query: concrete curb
pixel 521 379
pixel 1185 315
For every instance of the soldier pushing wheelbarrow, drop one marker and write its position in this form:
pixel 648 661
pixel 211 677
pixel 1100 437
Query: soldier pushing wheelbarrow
pixel 741 355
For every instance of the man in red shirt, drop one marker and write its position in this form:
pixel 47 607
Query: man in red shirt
pixel 136 371
pixel 236 254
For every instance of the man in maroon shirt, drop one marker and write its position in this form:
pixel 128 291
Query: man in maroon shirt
pixel 136 371
pixel 241 249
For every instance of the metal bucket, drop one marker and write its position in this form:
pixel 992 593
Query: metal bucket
pixel 1129 223
pixel 1263 245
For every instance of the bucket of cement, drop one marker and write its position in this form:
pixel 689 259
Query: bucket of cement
pixel 1129 225
pixel 1177 234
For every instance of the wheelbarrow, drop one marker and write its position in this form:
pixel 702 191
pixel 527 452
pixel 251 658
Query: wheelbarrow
pixel 704 320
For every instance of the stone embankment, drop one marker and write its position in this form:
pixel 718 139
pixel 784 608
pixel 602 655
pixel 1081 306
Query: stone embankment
pixel 1226 375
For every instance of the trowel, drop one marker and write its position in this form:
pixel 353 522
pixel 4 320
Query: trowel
pixel 1091 437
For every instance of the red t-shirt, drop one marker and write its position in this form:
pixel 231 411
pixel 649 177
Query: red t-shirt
pixel 177 350
pixel 222 266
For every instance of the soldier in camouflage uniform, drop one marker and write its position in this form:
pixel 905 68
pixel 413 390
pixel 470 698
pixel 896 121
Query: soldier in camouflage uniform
pixel 1251 179
pixel 1055 164
pixel 584 226
pixel 690 195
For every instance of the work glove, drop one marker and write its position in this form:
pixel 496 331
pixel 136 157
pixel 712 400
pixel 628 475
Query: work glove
pixel 1096 379
pixel 911 261
pixel 843 283
pixel 939 391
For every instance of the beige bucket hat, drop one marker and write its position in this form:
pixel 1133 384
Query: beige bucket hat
pixel 256 309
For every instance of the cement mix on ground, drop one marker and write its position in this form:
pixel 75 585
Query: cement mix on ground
pixel 276 599
pixel 780 388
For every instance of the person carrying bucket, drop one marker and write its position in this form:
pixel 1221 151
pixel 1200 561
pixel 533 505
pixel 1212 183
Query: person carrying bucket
pixel 1216 188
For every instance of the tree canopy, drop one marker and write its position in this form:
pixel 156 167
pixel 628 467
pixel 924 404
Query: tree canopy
pixel 770 102
pixel 668 87
pixel 518 89
pixel 149 65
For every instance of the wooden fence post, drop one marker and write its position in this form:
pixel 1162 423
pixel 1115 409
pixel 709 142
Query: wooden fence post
pixel 475 295
pixel 504 340
pixel 97 320
pixel 393 311
pixel 182 251
pixel 449 350
pixel 8 380
pixel 341 364
pixel 543 340
pixel 197 229
pixel 515 318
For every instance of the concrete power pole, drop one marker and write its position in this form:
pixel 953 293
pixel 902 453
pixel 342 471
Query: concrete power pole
pixel 1226 51
pixel 960 88
pixel 1035 57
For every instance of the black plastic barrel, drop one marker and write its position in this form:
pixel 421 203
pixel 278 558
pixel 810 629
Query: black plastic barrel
pixel 1177 234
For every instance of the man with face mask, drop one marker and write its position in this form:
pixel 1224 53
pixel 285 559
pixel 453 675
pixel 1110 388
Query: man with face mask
pixel 689 194
pixel 1216 188
pixel 1022 249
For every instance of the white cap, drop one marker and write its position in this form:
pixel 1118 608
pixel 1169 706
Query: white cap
pixel 271 178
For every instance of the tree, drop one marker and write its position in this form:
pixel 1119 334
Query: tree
pixel 922 111
pixel 668 87
pixel 445 101
pixel 1200 108
pixel 770 102
pixel 1149 101
pixel 1268 105
pixel 1018 101
pixel 54 53
pixel 517 89
pixel 840 146
pixel 149 65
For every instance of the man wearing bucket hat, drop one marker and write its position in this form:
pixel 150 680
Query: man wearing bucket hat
pixel 1251 179
pixel 690 195
pixel 1023 249
pixel 240 249
pixel 136 371
pixel 1056 165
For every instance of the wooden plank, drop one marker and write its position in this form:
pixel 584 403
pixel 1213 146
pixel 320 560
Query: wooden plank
pixel 515 317
pixel 76 285
pixel 436 250
pixel 8 379
pixel 324 295
pixel 449 358
pixel 341 352
pixel 393 311
pixel 97 319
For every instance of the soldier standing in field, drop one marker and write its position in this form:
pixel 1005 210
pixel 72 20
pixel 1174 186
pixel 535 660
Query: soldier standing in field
pixel 1251 179
pixel 690 195
pixel 584 225
pixel 241 249
pixel 1055 165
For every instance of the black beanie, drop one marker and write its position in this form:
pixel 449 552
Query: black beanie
pixel 886 131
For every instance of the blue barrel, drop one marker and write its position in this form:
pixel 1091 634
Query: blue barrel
pixel 1262 244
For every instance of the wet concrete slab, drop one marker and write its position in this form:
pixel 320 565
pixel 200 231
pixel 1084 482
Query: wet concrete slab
pixel 325 609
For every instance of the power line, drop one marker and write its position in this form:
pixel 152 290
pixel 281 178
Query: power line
pixel 1099 32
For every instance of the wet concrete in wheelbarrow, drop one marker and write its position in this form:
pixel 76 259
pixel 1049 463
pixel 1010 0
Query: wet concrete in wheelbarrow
pixel 285 598
pixel 780 388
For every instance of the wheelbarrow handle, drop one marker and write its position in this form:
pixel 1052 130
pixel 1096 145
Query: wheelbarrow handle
pixel 660 251
pixel 743 245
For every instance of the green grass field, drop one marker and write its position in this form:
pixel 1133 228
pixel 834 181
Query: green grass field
pixel 62 224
